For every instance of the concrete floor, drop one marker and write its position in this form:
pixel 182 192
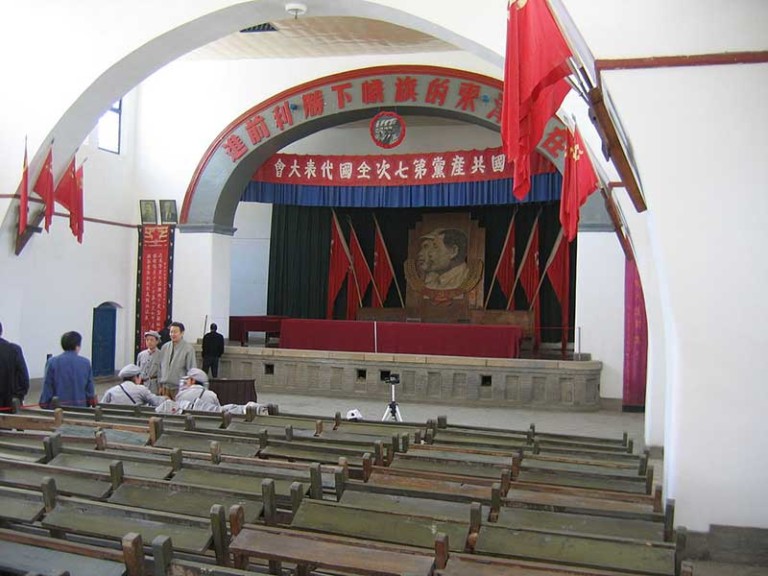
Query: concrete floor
pixel 605 423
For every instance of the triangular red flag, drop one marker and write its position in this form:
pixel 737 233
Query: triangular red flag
pixel 44 187
pixel 579 181
pixel 558 272
pixel 359 276
pixel 23 192
pixel 77 212
pixel 535 66
pixel 505 271
pixel 529 278
pixel 338 266
pixel 383 274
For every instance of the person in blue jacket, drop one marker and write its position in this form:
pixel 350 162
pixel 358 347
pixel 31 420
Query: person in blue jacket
pixel 69 376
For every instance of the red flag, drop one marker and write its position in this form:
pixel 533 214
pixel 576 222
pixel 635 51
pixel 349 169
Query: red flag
pixel 558 272
pixel 579 181
pixel 23 192
pixel 505 270
pixel 66 194
pixel 535 66
pixel 529 277
pixel 358 277
pixel 339 264
pixel 44 187
pixel 78 208
pixel 383 272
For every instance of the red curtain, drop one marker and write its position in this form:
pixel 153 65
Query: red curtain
pixel 635 338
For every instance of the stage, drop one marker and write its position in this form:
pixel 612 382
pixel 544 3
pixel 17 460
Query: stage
pixel 465 381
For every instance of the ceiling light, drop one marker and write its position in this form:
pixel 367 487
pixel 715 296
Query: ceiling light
pixel 296 8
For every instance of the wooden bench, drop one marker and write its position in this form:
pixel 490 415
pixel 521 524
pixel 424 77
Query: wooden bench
pixel 69 482
pixel 20 505
pixel 320 551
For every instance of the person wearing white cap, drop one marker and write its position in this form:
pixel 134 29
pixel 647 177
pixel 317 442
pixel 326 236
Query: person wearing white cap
pixel 148 360
pixel 194 395
pixel 131 391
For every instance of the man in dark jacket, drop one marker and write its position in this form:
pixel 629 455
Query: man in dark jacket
pixel 213 348
pixel 14 378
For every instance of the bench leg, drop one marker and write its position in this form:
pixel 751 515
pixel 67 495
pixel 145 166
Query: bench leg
pixel 275 567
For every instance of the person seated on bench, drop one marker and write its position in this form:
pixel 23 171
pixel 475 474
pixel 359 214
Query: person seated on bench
pixel 131 390
pixel 194 395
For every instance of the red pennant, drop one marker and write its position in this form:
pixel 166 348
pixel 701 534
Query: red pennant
pixel 44 187
pixel 579 181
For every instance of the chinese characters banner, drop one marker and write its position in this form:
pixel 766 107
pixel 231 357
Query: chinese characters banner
pixel 155 280
pixel 391 169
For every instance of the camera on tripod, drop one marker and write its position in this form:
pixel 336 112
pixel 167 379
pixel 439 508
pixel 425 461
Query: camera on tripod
pixel 393 410
pixel 392 379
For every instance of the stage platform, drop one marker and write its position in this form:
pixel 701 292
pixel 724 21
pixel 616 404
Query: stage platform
pixel 551 384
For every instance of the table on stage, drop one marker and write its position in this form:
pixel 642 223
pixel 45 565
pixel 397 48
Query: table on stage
pixel 233 390
pixel 485 341
pixel 239 326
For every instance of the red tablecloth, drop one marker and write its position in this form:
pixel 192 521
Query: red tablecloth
pixel 239 326
pixel 402 337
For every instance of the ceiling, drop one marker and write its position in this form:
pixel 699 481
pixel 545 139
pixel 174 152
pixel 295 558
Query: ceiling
pixel 307 37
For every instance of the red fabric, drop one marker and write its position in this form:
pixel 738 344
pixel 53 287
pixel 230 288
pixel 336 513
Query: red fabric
pixel 559 276
pixel 358 282
pixel 154 266
pixel 635 338
pixel 23 192
pixel 536 58
pixel 505 272
pixel 346 335
pixel 529 278
pixel 383 273
pixel 579 181
pixel 44 187
pixel 69 193
pixel 402 338
pixel 338 265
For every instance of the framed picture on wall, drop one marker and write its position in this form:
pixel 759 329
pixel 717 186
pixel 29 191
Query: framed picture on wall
pixel 148 209
pixel 168 212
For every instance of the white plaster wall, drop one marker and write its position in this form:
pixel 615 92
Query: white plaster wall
pixel 600 306
pixel 250 259
pixel 705 181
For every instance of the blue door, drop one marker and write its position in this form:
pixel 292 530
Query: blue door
pixel 103 346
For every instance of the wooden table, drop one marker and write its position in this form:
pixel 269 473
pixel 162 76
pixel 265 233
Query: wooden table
pixel 234 390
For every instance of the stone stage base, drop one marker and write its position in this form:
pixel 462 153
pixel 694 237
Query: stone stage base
pixel 567 385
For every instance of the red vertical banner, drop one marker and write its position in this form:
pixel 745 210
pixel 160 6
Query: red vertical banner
pixel 635 338
pixel 155 280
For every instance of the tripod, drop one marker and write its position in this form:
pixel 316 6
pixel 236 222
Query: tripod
pixel 392 411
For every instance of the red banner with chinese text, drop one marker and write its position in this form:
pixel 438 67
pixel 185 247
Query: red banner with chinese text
pixel 392 169
pixel 155 280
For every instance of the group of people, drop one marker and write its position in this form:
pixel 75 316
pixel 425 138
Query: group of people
pixel 165 374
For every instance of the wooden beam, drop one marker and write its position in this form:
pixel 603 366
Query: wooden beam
pixel 676 61
pixel 613 148
pixel 613 212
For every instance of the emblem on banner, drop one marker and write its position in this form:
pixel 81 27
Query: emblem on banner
pixel 387 129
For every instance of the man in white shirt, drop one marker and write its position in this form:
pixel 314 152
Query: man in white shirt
pixel 131 391
pixel 148 360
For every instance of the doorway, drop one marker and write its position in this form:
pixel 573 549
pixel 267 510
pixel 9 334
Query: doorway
pixel 103 345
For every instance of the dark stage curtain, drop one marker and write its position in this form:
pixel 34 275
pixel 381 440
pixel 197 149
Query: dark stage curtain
pixel 544 188
pixel 299 255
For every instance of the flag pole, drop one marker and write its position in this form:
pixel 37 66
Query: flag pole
pixel 525 257
pixel 548 264
pixel 389 261
pixel 498 264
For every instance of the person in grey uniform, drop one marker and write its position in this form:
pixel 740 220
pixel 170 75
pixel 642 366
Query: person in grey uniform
pixel 148 360
pixel 131 391
pixel 193 393
pixel 178 356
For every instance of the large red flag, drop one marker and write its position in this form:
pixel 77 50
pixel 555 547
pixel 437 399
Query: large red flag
pixel 534 86
pixel 383 272
pixel 358 277
pixel 529 277
pixel 339 264
pixel 44 187
pixel 579 181
pixel 23 192
pixel 505 269
pixel 558 272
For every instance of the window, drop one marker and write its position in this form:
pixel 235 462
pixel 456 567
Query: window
pixel 109 128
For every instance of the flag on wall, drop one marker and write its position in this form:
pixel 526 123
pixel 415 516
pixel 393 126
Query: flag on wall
pixel 383 271
pixel 69 193
pixel 505 268
pixel 359 276
pixel 23 192
pixel 529 277
pixel 339 264
pixel 534 85
pixel 44 187
pixel 558 272
pixel 579 181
